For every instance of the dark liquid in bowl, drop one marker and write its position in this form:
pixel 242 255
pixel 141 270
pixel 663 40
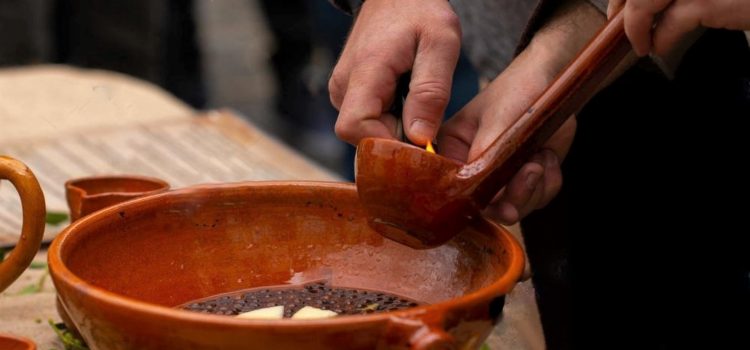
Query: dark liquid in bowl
pixel 343 301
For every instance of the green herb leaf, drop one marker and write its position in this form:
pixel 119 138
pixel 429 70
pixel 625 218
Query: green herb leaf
pixel 70 341
pixel 38 265
pixel 485 347
pixel 34 288
pixel 30 289
pixel 55 217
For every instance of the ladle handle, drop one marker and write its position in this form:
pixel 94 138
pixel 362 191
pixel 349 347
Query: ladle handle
pixel 572 89
pixel 32 203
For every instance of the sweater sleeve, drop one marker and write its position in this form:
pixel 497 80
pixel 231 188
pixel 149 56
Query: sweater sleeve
pixel 545 9
pixel 350 7
pixel 542 13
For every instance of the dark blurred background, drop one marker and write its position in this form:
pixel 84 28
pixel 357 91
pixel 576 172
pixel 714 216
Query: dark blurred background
pixel 269 60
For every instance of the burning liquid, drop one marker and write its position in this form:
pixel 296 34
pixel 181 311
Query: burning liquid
pixel 343 301
pixel 429 148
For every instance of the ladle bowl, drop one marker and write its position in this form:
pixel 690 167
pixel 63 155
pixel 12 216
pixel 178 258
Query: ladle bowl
pixel 422 198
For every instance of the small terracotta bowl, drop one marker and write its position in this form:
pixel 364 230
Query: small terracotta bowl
pixel 89 194
pixel 120 271
pixel 11 342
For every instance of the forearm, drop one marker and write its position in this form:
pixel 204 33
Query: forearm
pixel 562 37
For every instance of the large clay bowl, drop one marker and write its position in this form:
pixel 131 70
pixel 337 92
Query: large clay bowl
pixel 120 271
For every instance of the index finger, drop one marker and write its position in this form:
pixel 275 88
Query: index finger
pixel 430 87
pixel 368 91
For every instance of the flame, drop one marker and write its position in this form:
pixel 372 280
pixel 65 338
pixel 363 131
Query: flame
pixel 429 148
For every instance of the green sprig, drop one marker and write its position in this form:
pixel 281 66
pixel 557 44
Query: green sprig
pixel 70 341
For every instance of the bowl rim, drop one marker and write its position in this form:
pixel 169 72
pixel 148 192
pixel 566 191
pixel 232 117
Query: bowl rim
pixel 61 274
pixel 76 185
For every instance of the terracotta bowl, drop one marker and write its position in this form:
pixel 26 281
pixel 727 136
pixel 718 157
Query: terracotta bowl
pixel 120 271
pixel 9 342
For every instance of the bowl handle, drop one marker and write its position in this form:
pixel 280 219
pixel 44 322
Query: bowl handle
pixel 421 334
pixel 432 338
pixel 32 202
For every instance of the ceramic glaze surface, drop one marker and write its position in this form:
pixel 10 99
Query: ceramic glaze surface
pixel 120 271
pixel 33 212
pixel 422 199
pixel 9 342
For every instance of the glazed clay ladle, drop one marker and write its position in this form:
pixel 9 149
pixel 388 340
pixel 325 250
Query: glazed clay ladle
pixel 422 199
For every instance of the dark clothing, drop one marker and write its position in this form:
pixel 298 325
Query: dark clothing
pixel 493 30
pixel 151 40
pixel 645 246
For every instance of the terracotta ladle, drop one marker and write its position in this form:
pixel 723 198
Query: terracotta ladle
pixel 422 199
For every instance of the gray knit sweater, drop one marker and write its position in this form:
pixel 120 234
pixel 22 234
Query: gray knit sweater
pixel 493 30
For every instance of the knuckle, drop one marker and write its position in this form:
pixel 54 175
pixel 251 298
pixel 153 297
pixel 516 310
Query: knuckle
pixel 450 39
pixel 444 30
pixel 430 92
pixel 345 129
pixel 337 81
pixel 336 88
pixel 447 18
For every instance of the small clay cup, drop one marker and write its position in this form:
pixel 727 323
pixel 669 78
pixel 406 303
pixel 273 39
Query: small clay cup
pixel 10 342
pixel 89 194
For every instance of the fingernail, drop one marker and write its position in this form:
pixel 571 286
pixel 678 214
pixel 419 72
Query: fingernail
pixel 531 180
pixel 421 130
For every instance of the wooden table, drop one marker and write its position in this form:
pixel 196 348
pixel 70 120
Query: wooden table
pixel 41 103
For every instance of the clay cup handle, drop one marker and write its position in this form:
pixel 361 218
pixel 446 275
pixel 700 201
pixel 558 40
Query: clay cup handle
pixel 32 202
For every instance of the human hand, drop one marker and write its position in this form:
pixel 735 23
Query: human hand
pixel 494 110
pixel 498 106
pixel 658 25
pixel 390 38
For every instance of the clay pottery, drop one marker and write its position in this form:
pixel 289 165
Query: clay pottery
pixel 121 271
pixel 34 211
pixel 9 342
pixel 422 199
pixel 32 230
pixel 89 194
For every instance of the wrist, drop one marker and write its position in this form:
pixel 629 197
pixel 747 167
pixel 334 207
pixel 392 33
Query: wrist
pixel 558 42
